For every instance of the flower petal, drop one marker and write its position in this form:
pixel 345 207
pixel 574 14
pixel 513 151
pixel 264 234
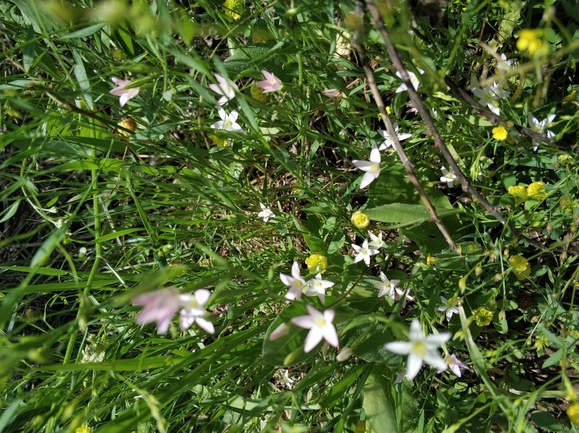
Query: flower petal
pixel 314 337
pixel 399 347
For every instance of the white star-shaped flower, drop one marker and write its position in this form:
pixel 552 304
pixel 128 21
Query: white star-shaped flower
pixel 448 308
pixel 364 252
pixel 226 88
pixel 265 213
pixel 448 176
pixel 388 138
pixel 371 167
pixel 413 79
pixel 194 310
pixel 504 64
pixel 320 326
pixel 228 122
pixel 489 95
pixel 318 286
pixel 420 349
pixel 296 283
pixel 541 127
pixel 376 241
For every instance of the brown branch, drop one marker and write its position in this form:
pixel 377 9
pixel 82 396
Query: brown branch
pixel 408 166
pixel 438 141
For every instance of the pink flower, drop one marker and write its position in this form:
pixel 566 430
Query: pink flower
pixel 454 364
pixel 320 326
pixel 122 92
pixel 271 82
pixel 159 306
pixel 194 310
pixel 226 88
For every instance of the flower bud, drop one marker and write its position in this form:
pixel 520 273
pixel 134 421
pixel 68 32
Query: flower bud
pixel 279 332
pixel 344 354
pixel 573 412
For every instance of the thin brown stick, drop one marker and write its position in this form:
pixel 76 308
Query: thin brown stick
pixel 408 166
pixel 438 141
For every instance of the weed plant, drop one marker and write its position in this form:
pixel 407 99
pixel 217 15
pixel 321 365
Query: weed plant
pixel 205 225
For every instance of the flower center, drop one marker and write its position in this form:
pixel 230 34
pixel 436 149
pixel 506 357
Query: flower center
pixel 321 322
pixel 193 303
pixel 419 348
pixel 228 123
pixel 375 168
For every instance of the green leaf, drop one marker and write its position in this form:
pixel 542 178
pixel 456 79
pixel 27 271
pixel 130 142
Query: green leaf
pixel 546 421
pixel 378 403
pixel 255 58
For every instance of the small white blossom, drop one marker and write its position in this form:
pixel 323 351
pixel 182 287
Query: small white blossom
pixel 388 142
pixel 285 379
pixel 320 326
pixel 265 213
pixel 228 122
pixel 225 87
pixel 448 308
pixel 318 286
pixel 364 252
pixel 489 96
pixel 504 64
pixel 376 241
pixel 371 167
pixel 448 176
pixel 296 283
pixel 413 79
pixel 194 310
pixel 420 349
pixel 541 127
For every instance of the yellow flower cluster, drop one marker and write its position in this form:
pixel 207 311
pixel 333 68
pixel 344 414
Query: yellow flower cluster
pixel 528 41
pixel 536 191
pixel 573 412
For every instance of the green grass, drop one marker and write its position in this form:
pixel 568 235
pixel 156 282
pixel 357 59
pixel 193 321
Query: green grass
pixel 93 214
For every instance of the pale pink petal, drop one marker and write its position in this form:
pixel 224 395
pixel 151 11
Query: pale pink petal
pixel 303 322
pixel 330 335
pixel 314 337
pixel 206 325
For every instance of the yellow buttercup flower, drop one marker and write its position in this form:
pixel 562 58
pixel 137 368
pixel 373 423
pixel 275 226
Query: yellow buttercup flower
pixel 521 267
pixel 528 41
pixel 573 412
pixel 360 220
pixel 430 260
pixel 483 317
pixel 519 192
pixel 500 133
pixel 536 190
pixel 127 123
pixel 257 93
pixel 219 142
pixel 234 8
pixel 83 429
pixel 317 263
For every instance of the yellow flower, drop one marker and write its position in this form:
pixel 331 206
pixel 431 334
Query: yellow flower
pixel 317 263
pixel 519 192
pixel 360 220
pixel 219 142
pixel 257 93
pixel 528 41
pixel 483 317
pixel 537 190
pixel 83 429
pixel 521 267
pixel 500 133
pixel 234 8
pixel 127 123
pixel 573 412
pixel 431 260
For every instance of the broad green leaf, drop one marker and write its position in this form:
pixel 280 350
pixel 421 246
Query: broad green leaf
pixel 378 403
pixel 547 422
